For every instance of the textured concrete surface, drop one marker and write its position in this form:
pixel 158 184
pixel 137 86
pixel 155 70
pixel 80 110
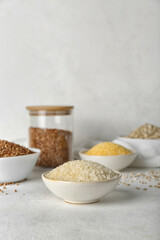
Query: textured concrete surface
pixel 126 213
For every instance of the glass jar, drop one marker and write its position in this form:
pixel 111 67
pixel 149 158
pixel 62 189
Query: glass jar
pixel 51 130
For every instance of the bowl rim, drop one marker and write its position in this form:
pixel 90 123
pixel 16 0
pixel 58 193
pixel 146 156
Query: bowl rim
pixel 61 181
pixel 35 150
pixel 82 152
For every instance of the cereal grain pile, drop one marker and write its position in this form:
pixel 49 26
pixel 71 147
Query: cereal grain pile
pixel 9 149
pixel 82 171
pixel 108 149
pixel 147 131
pixel 55 145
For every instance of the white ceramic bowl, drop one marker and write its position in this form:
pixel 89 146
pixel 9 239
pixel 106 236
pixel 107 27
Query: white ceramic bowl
pixel 80 192
pixel 118 162
pixel 148 151
pixel 13 169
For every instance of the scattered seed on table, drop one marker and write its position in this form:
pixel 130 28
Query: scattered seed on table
pixel 130 181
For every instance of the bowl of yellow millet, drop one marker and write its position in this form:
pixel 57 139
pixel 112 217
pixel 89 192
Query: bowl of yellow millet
pixel 110 154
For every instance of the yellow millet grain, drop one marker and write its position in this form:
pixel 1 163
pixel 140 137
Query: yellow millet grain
pixel 107 149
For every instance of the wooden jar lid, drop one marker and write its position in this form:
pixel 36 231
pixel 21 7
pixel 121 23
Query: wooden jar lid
pixel 49 110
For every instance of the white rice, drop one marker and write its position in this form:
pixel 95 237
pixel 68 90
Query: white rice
pixel 82 171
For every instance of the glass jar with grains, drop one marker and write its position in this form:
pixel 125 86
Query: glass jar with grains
pixel 51 131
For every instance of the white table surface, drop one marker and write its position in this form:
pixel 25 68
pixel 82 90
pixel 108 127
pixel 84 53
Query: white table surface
pixel 126 213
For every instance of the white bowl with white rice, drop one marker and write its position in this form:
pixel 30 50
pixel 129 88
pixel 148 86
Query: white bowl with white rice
pixel 146 141
pixel 81 181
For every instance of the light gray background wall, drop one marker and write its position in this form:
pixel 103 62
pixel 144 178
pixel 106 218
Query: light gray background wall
pixel 103 56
